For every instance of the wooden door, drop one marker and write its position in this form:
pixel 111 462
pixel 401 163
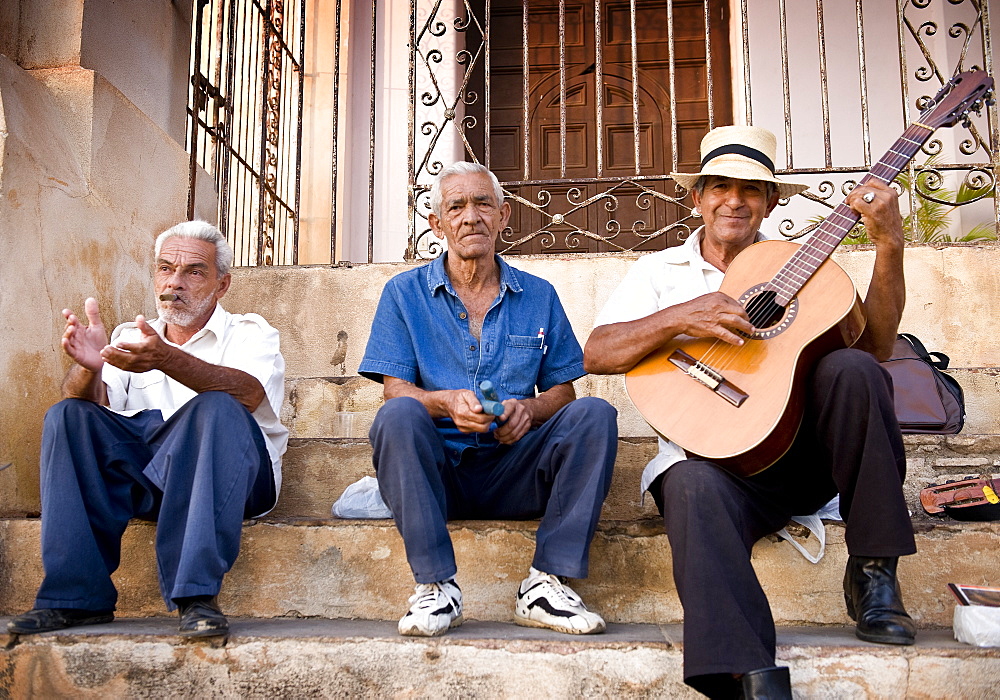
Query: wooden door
pixel 573 180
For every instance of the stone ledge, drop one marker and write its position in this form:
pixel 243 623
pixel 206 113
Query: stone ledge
pixel 318 470
pixel 350 658
pixel 358 569
pixel 311 403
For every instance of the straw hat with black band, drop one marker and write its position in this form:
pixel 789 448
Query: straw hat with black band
pixel 743 152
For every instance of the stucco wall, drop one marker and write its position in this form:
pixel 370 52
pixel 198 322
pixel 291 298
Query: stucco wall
pixel 86 180
pixel 141 48
pixel 144 50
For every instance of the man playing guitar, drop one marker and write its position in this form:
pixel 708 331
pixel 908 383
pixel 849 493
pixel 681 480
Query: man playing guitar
pixel 848 441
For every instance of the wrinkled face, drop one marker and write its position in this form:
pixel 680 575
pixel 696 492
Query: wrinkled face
pixel 471 217
pixel 733 209
pixel 186 267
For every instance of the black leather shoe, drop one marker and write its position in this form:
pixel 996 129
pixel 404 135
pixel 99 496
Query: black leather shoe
pixel 874 601
pixel 771 683
pixel 201 617
pixel 51 619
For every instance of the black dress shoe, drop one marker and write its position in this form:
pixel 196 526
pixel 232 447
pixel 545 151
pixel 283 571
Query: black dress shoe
pixel 873 599
pixel 771 683
pixel 201 617
pixel 51 619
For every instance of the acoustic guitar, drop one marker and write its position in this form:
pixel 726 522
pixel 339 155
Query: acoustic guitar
pixel 741 406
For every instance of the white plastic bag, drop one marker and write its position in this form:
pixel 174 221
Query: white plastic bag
pixel 362 500
pixel 831 511
pixel 815 526
pixel 978 625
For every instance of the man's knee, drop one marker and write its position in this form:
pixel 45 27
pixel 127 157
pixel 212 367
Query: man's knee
pixel 69 410
pixel 849 368
pixel 592 418
pixel 217 408
pixel 214 401
pixel 399 414
pixel 692 481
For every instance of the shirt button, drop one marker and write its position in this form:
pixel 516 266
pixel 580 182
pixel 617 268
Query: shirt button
pixel 462 315
pixel 472 347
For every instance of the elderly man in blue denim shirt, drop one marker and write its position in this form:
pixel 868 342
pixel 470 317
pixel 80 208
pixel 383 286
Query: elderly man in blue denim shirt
pixel 441 330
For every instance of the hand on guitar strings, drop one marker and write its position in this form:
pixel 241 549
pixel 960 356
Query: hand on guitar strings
pixel 714 315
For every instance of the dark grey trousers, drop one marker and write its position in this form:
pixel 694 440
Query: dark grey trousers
pixel 849 444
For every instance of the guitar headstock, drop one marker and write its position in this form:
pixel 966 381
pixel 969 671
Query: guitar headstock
pixel 965 92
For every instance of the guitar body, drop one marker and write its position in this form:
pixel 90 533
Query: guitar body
pixel 767 372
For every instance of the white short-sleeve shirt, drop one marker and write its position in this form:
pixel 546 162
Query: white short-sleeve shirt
pixel 655 282
pixel 242 341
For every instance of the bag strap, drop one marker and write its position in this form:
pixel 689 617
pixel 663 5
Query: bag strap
pixel 937 359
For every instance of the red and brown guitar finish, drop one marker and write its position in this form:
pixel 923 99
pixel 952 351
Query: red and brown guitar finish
pixel 741 406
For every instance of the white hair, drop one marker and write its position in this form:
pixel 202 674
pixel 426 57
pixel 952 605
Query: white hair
pixel 202 231
pixel 462 167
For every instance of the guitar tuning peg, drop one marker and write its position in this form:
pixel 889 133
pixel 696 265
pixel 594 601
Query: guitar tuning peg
pixel 966 122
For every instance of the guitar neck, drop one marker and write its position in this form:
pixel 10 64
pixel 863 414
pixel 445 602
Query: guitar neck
pixel 814 252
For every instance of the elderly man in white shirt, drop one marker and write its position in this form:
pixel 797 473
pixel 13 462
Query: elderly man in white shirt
pixel 175 420
pixel 848 442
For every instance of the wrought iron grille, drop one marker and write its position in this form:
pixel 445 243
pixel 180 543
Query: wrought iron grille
pixel 507 83
pixel 245 121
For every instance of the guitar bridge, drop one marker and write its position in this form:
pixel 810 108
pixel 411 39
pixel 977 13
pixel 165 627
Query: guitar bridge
pixel 708 376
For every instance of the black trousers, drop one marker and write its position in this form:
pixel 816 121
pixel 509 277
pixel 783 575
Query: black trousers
pixel 850 444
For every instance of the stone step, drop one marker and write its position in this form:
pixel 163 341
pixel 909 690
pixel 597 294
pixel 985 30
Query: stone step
pixel 344 407
pixel 357 569
pixel 349 658
pixel 316 471
pixel 324 313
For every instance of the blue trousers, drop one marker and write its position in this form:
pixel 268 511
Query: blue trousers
pixel 560 471
pixel 198 475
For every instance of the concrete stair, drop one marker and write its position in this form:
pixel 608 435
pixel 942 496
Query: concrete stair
pixel 348 658
pixel 298 562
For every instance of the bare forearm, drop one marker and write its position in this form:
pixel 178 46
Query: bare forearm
pixel 436 402
pixel 202 376
pixel 545 405
pixel 884 303
pixel 617 347
pixel 81 383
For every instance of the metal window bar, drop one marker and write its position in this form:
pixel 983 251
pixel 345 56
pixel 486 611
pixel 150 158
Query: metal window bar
pixel 245 122
pixel 928 178
pixel 646 190
pixel 557 205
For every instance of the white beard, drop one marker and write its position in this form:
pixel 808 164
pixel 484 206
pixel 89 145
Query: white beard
pixel 185 317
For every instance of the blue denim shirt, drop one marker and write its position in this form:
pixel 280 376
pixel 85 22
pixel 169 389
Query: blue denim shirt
pixel 420 334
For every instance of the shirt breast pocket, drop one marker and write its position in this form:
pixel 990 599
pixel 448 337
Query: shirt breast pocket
pixel 144 380
pixel 521 363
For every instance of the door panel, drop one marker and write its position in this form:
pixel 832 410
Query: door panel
pixel 572 184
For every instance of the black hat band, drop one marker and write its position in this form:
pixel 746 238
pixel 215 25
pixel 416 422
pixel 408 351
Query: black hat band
pixel 741 150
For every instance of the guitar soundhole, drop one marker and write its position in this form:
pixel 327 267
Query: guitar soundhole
pixel 767 316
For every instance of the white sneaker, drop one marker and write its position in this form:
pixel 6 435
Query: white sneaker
pixel 434 609
pixel 543 600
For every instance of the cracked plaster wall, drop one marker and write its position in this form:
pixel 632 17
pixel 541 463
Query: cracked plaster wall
pixel 86 181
